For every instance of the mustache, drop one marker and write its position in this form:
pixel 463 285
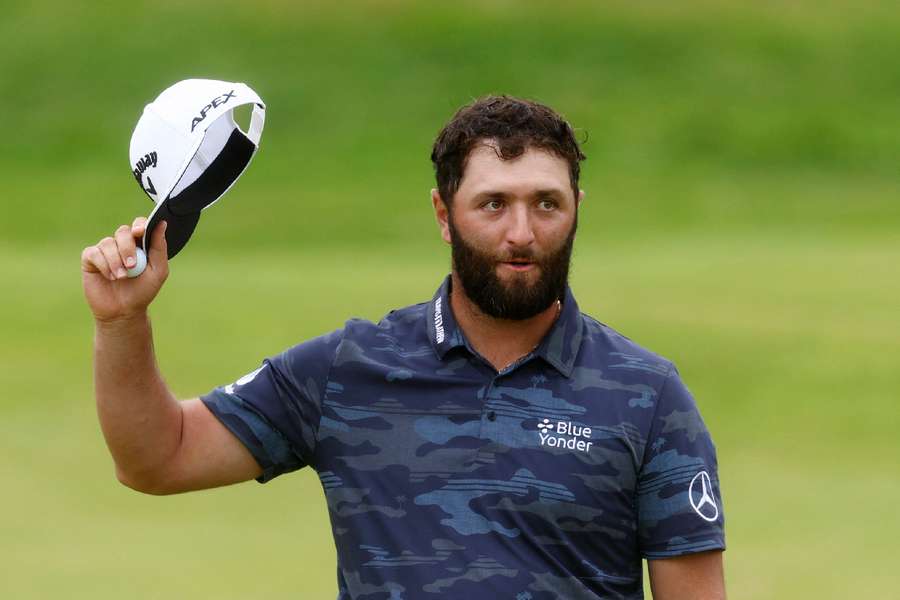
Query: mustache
pixel 524 255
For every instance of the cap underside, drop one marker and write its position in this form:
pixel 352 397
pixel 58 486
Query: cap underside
pixel 182 211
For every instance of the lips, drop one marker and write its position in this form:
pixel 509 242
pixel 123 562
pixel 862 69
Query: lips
pixel 518 265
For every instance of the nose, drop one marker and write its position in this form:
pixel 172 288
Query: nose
pixel 519 232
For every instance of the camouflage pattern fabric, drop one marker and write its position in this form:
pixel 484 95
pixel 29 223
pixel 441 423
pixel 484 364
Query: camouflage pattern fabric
pixel 447 479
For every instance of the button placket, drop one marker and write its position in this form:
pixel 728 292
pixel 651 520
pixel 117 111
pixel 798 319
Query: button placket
pixel 490 420
pixel 488 414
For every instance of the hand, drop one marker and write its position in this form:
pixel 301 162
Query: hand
pixel 110 294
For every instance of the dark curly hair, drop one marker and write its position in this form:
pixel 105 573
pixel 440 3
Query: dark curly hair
pixel 514 124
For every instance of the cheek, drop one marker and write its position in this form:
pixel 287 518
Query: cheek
pixel 485 244
pixel 553 235
pixel 477 235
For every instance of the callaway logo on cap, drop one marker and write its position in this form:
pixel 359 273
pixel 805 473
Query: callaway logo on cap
pixel 187 151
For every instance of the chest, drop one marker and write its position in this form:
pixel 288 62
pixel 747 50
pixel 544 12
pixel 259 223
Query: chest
pixel 461 438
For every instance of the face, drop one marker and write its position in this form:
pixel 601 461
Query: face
pixel 511 228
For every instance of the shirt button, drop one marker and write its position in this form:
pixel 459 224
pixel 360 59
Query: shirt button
pixel 492 416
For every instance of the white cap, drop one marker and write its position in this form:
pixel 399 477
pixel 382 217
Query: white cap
pixel 187 151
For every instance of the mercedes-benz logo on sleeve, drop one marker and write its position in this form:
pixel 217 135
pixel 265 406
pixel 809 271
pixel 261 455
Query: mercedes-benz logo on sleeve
pixel 701 496
pixel 229 389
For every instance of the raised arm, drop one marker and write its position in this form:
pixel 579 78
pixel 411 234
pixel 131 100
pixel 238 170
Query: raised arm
pixel 159 445
pixel 690 577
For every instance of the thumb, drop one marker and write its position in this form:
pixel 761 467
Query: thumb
pixel 158 255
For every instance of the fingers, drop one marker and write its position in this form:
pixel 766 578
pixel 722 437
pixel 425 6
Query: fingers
pixel 158 256
pixel 109 247
pixel 126 245
pixel 111 256
pixel 138 226
pixel 93 261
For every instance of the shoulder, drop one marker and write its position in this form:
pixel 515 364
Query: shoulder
pixel 400 331
pixel 406 321
pixel 400 323
pixel 322 346
pixel 609 350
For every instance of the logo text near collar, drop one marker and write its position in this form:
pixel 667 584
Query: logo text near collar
pixel 564 434
pixel 438 322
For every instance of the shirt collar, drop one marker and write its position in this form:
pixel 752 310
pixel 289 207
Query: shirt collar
pixel 443 331
pixel 561 344
pixel 559 347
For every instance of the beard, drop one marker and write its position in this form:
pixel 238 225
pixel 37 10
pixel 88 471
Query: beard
pixel 517 299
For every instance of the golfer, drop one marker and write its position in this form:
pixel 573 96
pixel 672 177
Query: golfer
pixel 492 442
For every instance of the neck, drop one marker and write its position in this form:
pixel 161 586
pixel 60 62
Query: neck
pixel 500 341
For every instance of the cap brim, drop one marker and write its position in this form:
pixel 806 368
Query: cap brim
pixel 182 212
pixel 178 231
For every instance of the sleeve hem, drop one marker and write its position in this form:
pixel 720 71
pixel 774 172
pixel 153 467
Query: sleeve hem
pixel 270 470
pixel 693 548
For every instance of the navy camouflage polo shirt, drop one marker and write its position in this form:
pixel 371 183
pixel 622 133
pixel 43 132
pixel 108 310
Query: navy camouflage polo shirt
pixel 446 479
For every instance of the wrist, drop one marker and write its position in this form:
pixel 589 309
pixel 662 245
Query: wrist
pixel 122 323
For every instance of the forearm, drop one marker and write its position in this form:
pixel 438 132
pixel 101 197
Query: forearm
pixel 140 418
pixel 691 577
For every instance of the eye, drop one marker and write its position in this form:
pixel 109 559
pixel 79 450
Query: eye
pixel 492 205
pixel 547 205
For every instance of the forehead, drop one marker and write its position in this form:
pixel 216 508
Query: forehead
pixel 535 169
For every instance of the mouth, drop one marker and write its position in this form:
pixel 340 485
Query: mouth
pixel 519 265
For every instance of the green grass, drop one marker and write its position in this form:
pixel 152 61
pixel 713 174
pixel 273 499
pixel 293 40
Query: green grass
pixel 741 219
pixel 796 381
pixel 710 115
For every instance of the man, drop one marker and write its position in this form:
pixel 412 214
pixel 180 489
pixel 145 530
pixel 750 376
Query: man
pixel 494 442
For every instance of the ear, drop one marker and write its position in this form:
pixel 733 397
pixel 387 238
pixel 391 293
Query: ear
pixel 441 214
pixel 578 202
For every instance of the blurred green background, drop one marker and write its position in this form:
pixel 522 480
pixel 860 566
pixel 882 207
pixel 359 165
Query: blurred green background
pixel 742 213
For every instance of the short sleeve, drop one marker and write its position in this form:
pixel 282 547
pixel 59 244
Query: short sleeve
pixel 678 497
pixel 275 410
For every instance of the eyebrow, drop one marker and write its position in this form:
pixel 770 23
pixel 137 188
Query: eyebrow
pixel 499 195
pixel 551 193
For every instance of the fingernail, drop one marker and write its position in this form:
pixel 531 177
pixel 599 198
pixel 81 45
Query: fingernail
pixel 129 262
pixel 120 273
